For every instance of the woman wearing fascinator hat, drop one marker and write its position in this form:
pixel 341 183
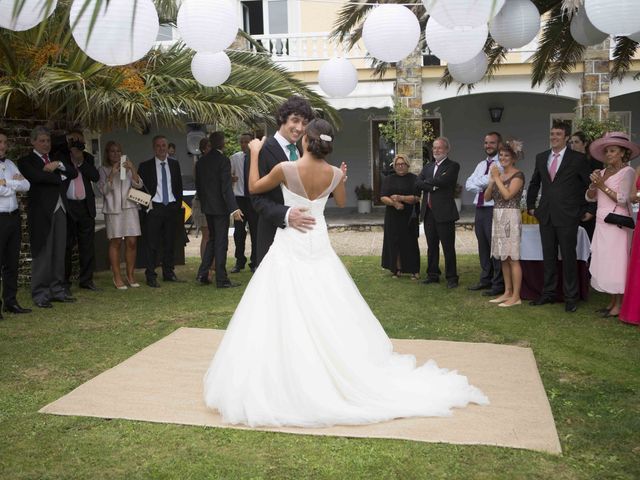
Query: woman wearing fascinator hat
pixel 612 188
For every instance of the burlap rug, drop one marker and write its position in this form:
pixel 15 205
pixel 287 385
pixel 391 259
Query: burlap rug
pixel 163 383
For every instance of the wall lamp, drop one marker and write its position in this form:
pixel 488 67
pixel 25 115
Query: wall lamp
pixel 496 114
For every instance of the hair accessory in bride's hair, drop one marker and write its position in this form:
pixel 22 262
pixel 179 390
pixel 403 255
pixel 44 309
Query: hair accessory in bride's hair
pixel 326 138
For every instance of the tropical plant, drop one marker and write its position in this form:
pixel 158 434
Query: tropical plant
pixel 45 75
pixel 556 55
pixel 401 125
pixel 364 192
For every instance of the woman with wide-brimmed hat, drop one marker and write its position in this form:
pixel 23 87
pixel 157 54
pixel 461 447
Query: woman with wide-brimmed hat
pixel 612 188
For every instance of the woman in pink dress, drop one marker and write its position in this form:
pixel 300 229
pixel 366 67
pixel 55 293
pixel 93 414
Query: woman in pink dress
pixel 630 311
pixel 611 187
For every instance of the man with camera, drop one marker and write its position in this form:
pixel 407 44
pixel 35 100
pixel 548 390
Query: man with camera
pixel 81 211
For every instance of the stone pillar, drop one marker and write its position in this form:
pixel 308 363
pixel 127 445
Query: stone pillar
pixel 409 94
pixel 594 100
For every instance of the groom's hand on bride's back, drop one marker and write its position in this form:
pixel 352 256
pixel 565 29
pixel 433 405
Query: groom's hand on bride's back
pixel 299 220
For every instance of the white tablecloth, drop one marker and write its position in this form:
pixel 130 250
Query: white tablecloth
pixel 531 245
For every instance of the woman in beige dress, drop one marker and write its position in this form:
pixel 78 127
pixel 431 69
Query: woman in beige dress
pixel 505 188
pixel 120 213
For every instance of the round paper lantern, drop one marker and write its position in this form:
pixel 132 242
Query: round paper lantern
pixel 208 25
pixel 338 77
pixel 457 45
pixel 462 13
pixel 211 69
pixel 635 37
pixel 470 72
pixel 583 31
pixel 391 32
pixel 33 12
pixel 615 17
pixel 124 31
pixel 516 24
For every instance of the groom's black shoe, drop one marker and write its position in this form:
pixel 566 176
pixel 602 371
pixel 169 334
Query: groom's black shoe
pixel 227 284
pixel 542 301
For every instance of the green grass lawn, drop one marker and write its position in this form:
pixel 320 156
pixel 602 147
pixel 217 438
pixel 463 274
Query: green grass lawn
pixel 590 367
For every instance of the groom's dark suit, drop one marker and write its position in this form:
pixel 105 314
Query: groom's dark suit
pixel 213 187
pixel 439 215
pixel 559 211
pixel 269 206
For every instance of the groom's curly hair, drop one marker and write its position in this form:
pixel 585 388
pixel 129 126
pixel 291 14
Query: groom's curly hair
pixel 319 134
pixel 294 105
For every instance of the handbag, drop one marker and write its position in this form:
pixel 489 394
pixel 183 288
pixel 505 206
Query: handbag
pixel 139 197
pixel 619 220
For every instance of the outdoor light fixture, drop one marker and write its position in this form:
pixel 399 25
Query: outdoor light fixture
pixel 496 114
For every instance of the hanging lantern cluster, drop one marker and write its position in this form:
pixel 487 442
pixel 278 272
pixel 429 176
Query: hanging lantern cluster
pixel 32 13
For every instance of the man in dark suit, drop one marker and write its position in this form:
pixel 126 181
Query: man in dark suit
pixel 438 181
pixel 240 179
pixel 163 180
pixel 47 219
pixel 563 175
pixel 213 187
pixel 81 213
pixel 292 118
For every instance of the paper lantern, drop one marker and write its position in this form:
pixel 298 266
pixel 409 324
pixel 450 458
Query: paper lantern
pixel 583 31
pixel 207 25
pixel 33 12
pixel 462 13
pixel 635 37
pixel 338 77
pixel 124 31
pixel 457 45
pixel 470 72
pixel 615 17
pixel 211 69
pixel 391 32
pixel 516 24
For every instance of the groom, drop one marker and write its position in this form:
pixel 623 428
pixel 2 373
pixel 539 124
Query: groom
pixel 292 117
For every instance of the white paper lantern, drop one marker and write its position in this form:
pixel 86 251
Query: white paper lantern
pixel 391 32
pixel 124 31
pixel 211 69
pixel 516 24
pixel 462 13
pixel 338 77
pixel 456 45
pixel 33 12
pixel 207 25
pixel 635 37
pixel 583 31
pixel 470 72
pixel 615 17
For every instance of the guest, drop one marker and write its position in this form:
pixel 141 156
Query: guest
pixel 199 217
pixel 11 181
pixel 171 152
pixel 163 180
pixel 490 268
pixel 400 250
pixel 505 189
pixel 612 188
pixel 47 219
pixel 213 187
pixel 630 310
pixel 580 143
pixel 81 214
pixel 240 176
pixel 438 181
pixel 563 175
pixel 120 214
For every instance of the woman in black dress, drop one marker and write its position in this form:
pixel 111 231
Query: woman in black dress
pixel 400 251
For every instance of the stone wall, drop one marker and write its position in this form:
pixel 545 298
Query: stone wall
pixel 409 93
pixel 594 101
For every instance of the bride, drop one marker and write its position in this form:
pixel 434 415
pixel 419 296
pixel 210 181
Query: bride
pixel 303 348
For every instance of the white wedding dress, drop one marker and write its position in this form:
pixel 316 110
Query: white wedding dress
pixel 304 349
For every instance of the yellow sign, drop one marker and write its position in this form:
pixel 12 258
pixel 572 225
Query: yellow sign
pixel 187 211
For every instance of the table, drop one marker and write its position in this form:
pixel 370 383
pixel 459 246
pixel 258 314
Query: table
pixel 533 267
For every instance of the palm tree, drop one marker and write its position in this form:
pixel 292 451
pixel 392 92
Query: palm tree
pixel 45 75
pixel 556 55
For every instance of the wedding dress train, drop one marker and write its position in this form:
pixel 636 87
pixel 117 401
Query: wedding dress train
pixel 304 349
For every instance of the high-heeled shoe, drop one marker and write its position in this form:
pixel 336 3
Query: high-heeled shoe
pixel 121 287
pixel 133 284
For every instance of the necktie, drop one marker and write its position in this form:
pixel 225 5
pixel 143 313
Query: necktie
pixel 78 187
pixel 45 157
pixel 481 194
pixel 293 152
pixel 553 167
pixel 165 185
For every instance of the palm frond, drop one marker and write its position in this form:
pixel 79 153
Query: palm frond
pixel 623 53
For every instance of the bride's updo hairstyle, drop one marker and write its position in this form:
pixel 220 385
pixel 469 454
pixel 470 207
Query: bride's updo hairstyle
pixel 319 134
